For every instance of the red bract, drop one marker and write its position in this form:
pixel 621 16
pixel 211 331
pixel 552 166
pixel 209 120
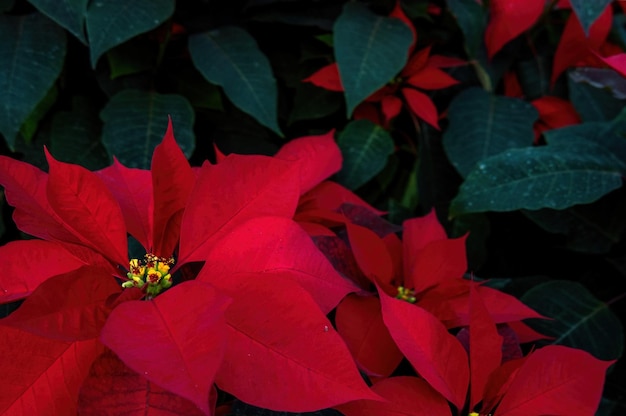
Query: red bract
pixel 422 72
pixel 508 19
pixel 176 339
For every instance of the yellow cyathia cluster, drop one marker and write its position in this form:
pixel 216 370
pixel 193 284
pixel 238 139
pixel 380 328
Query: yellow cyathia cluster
pixel 150 273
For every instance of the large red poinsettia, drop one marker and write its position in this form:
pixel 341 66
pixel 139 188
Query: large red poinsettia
pixel 482 381
pixel 236 323
pixel 421 73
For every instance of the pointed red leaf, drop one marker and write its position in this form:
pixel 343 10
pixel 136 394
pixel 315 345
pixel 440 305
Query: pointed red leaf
pixel 67 307
pixel 436 263
pixel 327 78
pixel 508 19
pixel 525 333
pixel 175 340
pixel 237 189
pixel 420 231
pixel 371 254
pixel 113 389
pixel 434 353
pixel 286 355
pixel 369 111
pixel 30 263
pixel 499 382
pixel 416 62
pixel 132 189
pixel 330 196
pixel 442 61
pixel 555 112
pixel 617 62
pixel 41 376
pixel 341 257
pixel 407 396
pixel 83 202
pixel 431 78
pixel 276 245
pixel 319 158
pixel 556 380
pixel 398 13
pixel 390 107
pixel 172 183
pixel 422 106
pixel 575 46
pixel 485 347
pixel 25 189
pixel 360 323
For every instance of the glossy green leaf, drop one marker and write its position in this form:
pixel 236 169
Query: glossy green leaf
pixel 532 178
pixel 29 128
pixel 593 103
pixel 365 147
pixel 580 320
pixel 68 13
pixel 132 57
pixel 483 125
pixel 588 11
pixel 135 122
pixel 32 50
pixel 230 57
pixel 311 102
pixel 76 137
pixel 112 22
pixel 370 50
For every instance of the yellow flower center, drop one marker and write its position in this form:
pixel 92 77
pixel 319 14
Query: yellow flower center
pixel 150 274
pixel 406 294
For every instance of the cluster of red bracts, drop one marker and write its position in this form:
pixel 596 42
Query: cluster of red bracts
pixel 279 247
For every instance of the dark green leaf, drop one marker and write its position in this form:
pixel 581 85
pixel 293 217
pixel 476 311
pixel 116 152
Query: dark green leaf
pixel 29 128
pixel 580 320
pixel 483 124
pixel 365 147
pixel 602 78
pixel 554 177
pixel 131 58
pixel 112 22
pixel 588 11
pixel 591 228
pixel 135 122
pixel 593 103
pixel 472 19
pixel 231 58
pixel 534 76
pixel 76 137
pixel 32 50
pixel 6 5
pixel 370 50
pixel 68 13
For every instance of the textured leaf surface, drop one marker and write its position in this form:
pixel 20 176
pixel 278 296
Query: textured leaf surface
pixel 508 19
pixel 278 246
pixel 172 183
pixel 360 323
pixel 186 325
pixel 286 356
pixel 134 123
pixel 472 19
pixel 556 380
pixel 370 50
pixel 365 147
pixel 68 307
pixel 319 158
pixel 554 177
pixel 112 22
pixel 579 319
pixel 42 376
pixel 29 263
pixel 83 202
pixel 264 186
pixel 68 13
pixel 483 124
pixel 32 50
pixel 434 353
pixel 112 389
pixel 371 254
pixel 230 57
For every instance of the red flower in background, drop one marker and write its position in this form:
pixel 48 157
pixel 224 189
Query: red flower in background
pixel 422 72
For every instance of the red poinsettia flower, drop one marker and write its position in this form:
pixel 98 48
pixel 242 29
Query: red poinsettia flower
pixel 535 384
pixel 187 332
pixel 421 73
pixel 426 269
